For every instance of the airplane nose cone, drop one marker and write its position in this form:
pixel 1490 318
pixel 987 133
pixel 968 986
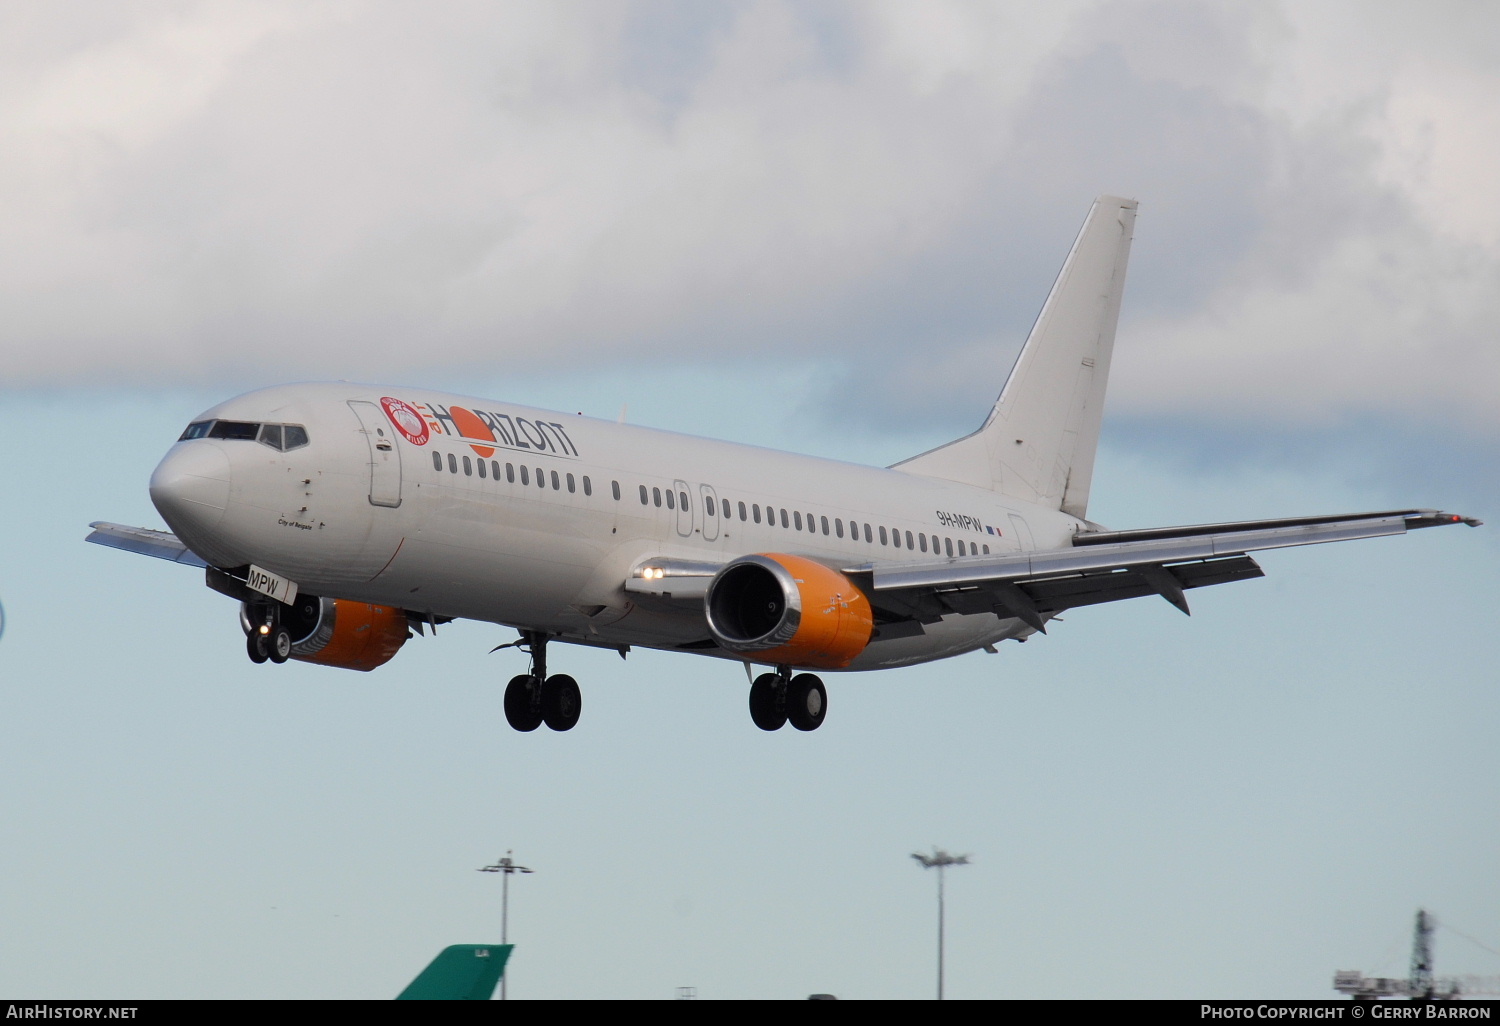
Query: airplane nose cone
pixel 190 489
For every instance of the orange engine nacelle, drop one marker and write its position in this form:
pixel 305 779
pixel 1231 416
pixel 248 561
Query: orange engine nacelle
pixel 787 609
pixel 341 632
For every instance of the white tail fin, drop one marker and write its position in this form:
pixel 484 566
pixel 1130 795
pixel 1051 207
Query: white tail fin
pixel 1039 441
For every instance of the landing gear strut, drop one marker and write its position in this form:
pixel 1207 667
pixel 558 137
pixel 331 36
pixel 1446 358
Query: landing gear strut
pixel 779 698
pixel 534 698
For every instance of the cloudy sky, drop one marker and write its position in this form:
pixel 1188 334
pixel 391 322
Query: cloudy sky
pixel 824 226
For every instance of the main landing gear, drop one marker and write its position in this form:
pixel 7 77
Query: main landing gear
pixel 534 698
pixel 779 698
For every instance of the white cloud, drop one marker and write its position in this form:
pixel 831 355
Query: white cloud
pixel 208 190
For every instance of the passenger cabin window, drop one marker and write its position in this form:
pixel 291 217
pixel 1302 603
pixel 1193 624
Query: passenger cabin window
pixel 797 519
pixel 869 538
pixel 744 514
pixel 682 498
pixel 614 486
pixel 495 469
pixel 824 522
pixel 909 543
pixel 671 500
pixel 525 475
pixel 838 527
pixel 557 485
pixel 588 486
pixel 437 461
pixel 655 496
pixel 510 473
pixel 882 533
pixel 947 546
pixel 709 503
pixel 643 495
pixel 571 489
pixel 783 518
pixel 483 468
pixel 726 510
pixel 468 468
pixel 452 464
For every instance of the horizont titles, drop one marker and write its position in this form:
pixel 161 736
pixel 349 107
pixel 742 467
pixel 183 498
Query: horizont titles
pixel 484 430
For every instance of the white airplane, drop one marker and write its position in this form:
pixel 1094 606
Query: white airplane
pixel 343 517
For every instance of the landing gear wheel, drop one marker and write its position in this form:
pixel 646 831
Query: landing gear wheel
pixel 279 644
pixel 518 706
pixel 255 647
pixel 767 708
pixel 562 702
pixel 806 702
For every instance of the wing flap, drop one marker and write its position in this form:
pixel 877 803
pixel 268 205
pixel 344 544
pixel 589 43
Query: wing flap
pixel 161 544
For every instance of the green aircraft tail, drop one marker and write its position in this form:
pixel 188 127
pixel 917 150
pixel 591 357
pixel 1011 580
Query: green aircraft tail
pixel 461 972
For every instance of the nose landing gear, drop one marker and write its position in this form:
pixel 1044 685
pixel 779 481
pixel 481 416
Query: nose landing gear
pixel 534 698
pixel 779 698
pixel 268 637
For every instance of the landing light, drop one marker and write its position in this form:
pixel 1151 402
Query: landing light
pixel 265 628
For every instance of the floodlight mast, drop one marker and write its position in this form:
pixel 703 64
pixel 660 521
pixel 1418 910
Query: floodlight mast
pixel 506 867
pixel 940 860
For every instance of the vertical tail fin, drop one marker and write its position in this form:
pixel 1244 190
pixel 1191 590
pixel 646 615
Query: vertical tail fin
pixel 1039 441
pixel 461 972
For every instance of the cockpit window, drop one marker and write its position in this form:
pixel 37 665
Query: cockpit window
pixel 233 429
pixel 282 437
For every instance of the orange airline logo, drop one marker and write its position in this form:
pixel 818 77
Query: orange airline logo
pixel 470 427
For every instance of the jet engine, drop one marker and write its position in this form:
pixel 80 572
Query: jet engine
pixel 787 609
pixel 341 632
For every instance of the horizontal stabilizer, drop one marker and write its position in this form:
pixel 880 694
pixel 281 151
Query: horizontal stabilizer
pixel 161 544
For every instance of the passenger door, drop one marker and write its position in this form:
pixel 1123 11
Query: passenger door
pixel 385 456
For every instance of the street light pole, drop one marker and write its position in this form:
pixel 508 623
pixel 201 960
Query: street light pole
pixel 940 860
pixel 505 867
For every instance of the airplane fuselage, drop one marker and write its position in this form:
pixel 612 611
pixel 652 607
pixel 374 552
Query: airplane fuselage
pixel 454 506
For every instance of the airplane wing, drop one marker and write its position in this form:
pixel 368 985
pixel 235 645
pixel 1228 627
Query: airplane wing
pixel 161 544
pixel 1106 566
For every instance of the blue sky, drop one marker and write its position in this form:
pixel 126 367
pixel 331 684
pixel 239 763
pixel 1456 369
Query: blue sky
pixel 823 228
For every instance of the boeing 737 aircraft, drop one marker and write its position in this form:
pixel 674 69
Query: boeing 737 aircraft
pixel 345 517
